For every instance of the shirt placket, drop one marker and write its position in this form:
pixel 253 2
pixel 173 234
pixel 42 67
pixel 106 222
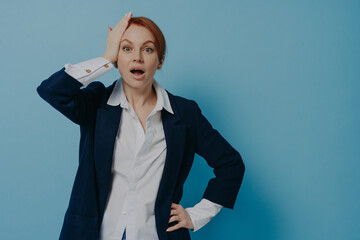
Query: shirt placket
pixel 128 215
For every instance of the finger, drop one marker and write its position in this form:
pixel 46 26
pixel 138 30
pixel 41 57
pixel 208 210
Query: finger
pixel 124 21
pixel 177 207
pixel 121 26
pixel 175 227
pixel 173 212
pixel 127 16
pixel 174 205
pixel 174 218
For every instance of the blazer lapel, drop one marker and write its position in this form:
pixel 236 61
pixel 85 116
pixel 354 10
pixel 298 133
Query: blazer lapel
pixel 107 126
pixel 175 135
pixel 106 129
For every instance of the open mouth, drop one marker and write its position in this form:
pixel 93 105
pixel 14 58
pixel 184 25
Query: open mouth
pixel 137 72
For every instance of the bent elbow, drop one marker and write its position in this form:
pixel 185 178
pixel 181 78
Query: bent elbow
pixel 240 169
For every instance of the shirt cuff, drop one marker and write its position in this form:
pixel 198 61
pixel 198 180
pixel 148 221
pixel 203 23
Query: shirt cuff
pixel 87 71
pixel 202 213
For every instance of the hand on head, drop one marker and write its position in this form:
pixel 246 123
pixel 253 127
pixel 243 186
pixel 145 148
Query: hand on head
pixel 114 37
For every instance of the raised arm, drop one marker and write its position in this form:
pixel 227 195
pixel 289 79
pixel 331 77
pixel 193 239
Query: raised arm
pixel 62 90
pixel 64 93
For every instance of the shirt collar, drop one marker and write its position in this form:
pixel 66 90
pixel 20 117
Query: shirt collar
pixel 118 97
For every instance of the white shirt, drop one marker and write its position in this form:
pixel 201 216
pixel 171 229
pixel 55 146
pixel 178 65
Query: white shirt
pixel 138 163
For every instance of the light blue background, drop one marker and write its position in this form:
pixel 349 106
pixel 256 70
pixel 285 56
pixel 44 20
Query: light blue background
pixel 280 80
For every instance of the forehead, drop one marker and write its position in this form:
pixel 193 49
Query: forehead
pixel 138 34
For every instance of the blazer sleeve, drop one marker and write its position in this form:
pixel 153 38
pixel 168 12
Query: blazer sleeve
pixel 227 163
pixel 64 93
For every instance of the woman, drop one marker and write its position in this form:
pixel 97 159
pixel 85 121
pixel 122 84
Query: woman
pixel 137 144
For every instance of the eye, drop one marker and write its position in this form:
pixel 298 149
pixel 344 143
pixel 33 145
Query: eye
pixel 126 49
pixel 148 50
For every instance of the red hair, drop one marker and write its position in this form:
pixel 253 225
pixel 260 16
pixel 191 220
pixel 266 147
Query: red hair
pixel 160 43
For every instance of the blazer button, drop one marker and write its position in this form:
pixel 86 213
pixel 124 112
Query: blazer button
pixel 88 70
pixel 106 65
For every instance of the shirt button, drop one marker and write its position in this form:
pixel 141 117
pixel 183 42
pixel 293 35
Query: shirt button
pixel 88 70
pixel 106 65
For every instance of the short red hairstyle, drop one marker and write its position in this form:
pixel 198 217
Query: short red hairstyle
pixel 160 43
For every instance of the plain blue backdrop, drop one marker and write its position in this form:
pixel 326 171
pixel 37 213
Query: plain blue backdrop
pixel 280 80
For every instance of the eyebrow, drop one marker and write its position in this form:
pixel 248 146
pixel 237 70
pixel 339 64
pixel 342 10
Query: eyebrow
pixel 148 41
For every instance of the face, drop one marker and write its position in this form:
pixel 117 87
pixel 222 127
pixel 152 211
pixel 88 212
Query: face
pixel 138 58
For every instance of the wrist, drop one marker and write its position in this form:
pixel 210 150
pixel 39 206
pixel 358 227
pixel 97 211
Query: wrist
pixel 108 58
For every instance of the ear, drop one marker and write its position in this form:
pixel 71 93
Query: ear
pixel 161 62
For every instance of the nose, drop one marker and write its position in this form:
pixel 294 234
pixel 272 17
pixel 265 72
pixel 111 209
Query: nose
pixel 137 57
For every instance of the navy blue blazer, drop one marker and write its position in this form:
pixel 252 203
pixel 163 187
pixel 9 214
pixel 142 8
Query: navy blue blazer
pixel 187 132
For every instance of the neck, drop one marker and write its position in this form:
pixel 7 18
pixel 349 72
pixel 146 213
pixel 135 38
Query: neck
pixel 140 97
